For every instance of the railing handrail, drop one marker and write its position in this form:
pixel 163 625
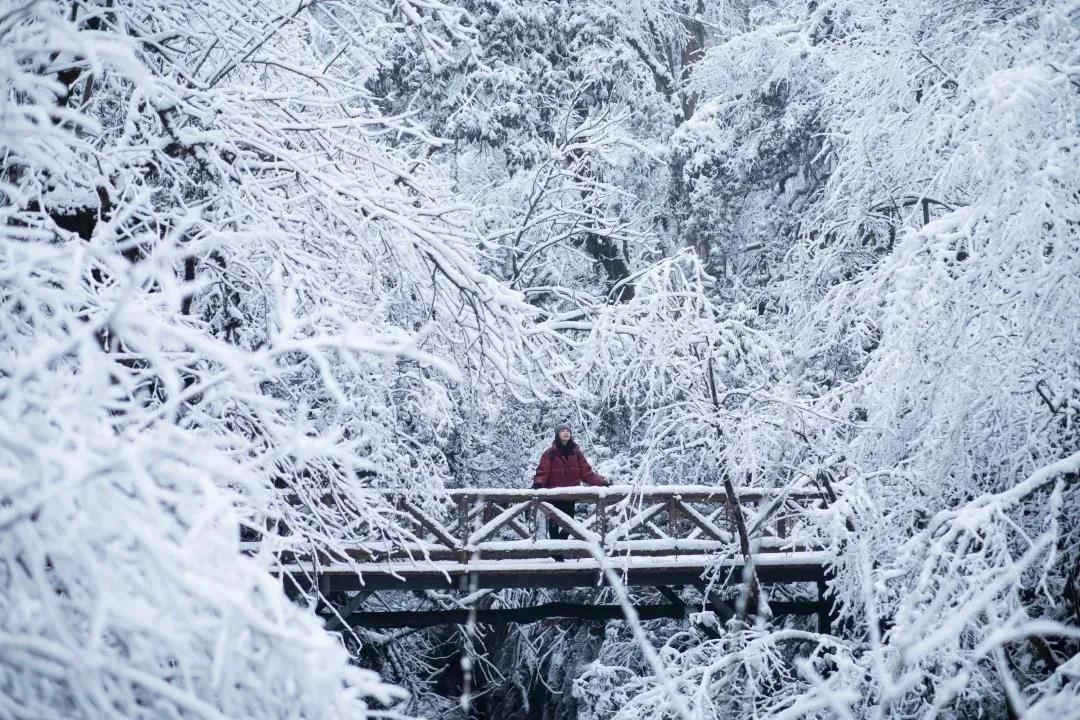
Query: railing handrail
pixel 586 493
pixel 661 520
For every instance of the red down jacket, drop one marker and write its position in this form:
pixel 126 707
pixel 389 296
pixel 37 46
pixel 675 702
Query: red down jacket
pixel 559 469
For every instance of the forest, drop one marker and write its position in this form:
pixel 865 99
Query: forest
pixel 259 253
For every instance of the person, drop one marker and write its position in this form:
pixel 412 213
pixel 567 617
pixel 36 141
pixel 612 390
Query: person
pixel 564 465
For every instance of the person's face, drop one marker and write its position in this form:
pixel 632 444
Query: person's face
pixel 565 435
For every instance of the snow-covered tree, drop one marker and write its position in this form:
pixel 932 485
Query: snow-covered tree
pixel 255 254
pixel 926 300
pixel 225 297
pixel 559 119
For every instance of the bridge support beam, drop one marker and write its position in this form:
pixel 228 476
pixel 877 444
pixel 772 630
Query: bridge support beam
pixel 827 613
pixel 672 596
pixel 349 608
pixel 503 616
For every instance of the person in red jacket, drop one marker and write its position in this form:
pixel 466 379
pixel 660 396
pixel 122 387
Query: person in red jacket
pixel 564 465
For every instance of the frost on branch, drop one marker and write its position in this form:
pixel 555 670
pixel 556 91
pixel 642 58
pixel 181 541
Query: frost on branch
pixel 922 290
pixel 124 588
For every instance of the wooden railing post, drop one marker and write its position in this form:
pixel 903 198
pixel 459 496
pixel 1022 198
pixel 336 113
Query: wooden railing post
pixel 534 517
pixel 673 515
pixel 463 525
pixel 602 519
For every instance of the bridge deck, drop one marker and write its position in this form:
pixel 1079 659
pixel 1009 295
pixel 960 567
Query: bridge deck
pixel 773 567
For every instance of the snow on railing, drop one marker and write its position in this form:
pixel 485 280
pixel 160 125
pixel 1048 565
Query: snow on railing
pixel 511 523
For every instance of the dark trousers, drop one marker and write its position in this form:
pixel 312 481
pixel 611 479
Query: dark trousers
pixel 555 530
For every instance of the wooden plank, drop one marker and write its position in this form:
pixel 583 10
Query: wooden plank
pixel 350 607
pixel 624 528
pixel 704 523
pixel 711 517
pixel 673 515
pixel 672 597
pixel 478 506
pixel 824 615
pixel 521 530
pixel 568 523
pixel 429 524
pixel 724 610
pixel 409 554
pixel 776 505
pixel 530 549
pixel 494 524
pixel 657 531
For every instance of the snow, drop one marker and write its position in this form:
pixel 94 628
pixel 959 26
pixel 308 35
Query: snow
pixel 259 253
pixel 547 565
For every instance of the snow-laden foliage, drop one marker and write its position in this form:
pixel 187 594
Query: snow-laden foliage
pixel 746 673
pixel 125 592
pixel 697 380
pixel 926 301
pixel 558 116
pixel 225 297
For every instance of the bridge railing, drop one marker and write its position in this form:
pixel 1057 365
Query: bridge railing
pixel 497 524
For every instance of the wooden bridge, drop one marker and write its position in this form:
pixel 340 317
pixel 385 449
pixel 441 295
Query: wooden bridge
pixel 667 538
